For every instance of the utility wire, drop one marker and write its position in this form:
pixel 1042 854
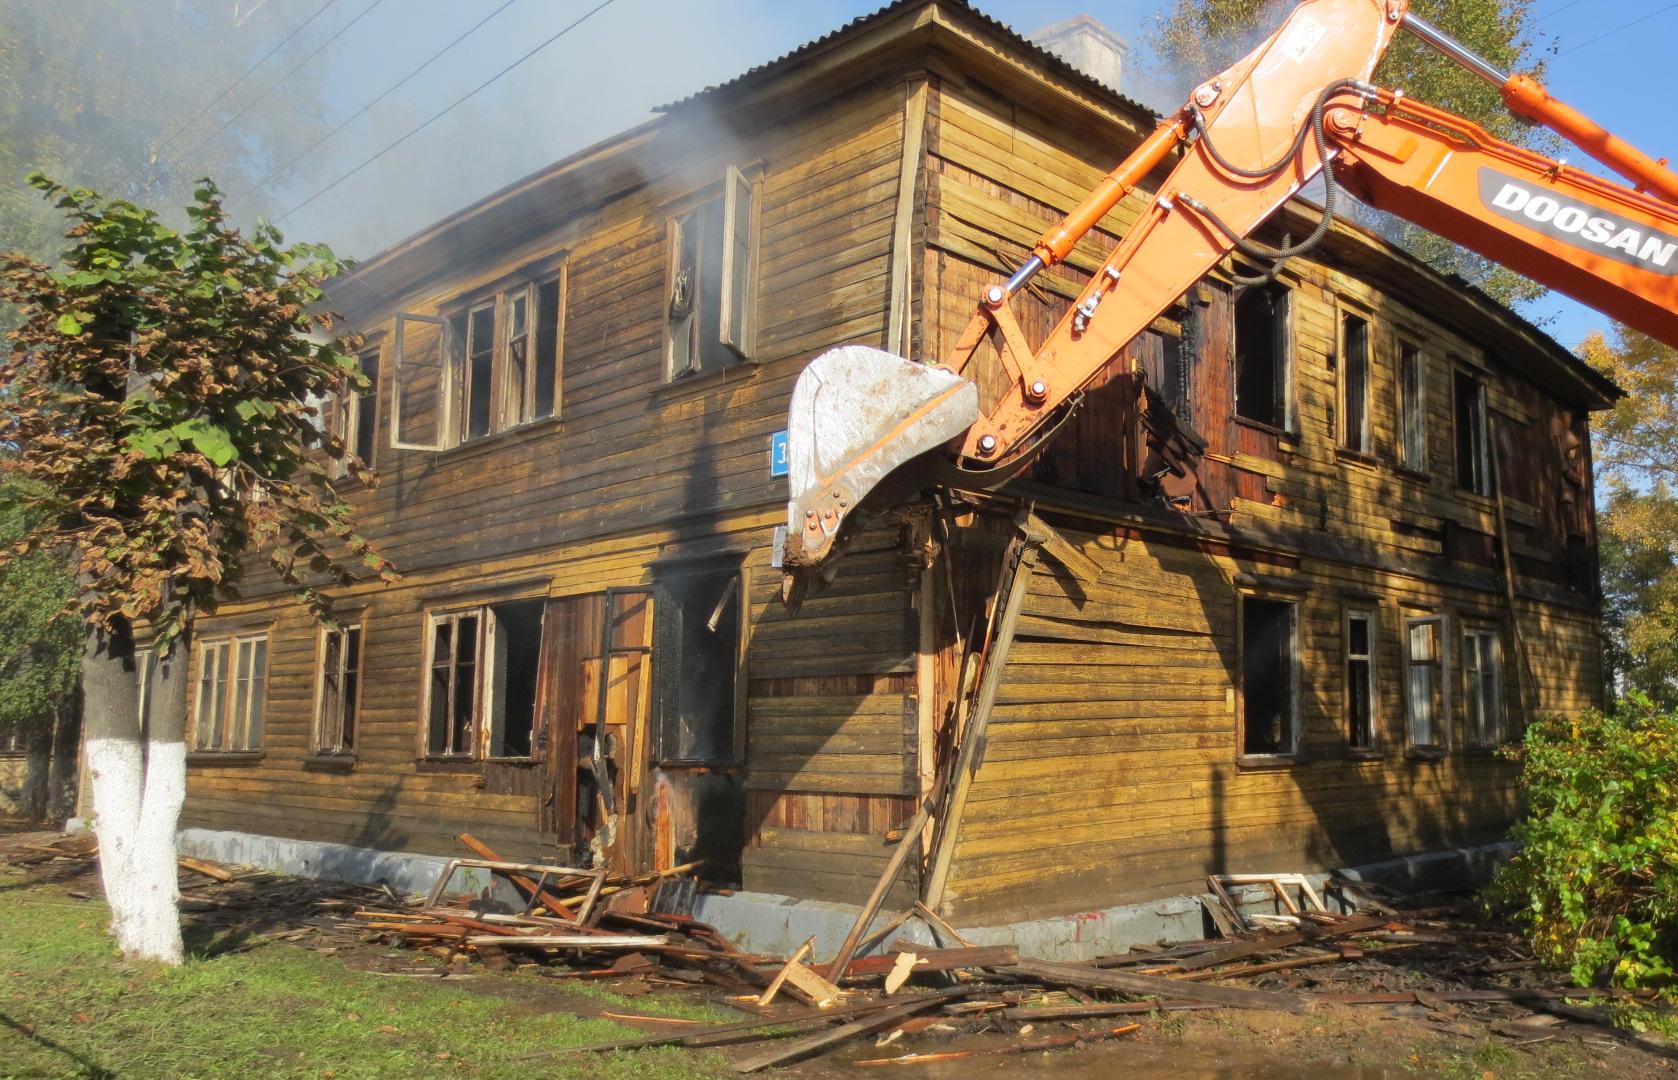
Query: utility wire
pixel 234 85
pixel 359 113
pixel 249 105
pixel 1618 30
pixel 1558 11
pixel 449 108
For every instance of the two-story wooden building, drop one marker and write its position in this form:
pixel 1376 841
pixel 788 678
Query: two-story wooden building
pixel 1303 652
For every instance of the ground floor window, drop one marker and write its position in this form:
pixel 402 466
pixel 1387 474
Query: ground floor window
pixel 339 693
pixel 1360 680
pixel 1483 689
pixel 1426 702
pixel 231 694
pixel 482 676
pixel 1269 677
pixel 697 657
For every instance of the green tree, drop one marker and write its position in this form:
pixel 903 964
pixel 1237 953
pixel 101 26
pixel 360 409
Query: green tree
pixel 1203 37
pixel 1636 451
pixel 160 393
pixel 40 641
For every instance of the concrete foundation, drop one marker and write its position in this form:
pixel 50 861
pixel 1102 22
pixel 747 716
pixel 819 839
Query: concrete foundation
pixel 776 925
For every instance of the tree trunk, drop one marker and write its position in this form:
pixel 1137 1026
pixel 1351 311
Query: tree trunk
pixel 37 763
pixel 138 774
pixel 64 777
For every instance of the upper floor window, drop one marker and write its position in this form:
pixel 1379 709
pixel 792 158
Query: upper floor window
pixel 1412 408
pixel 1354 383
pixel 1473 464
pixel 491 364
pixel 354 416
pixel 1264 355
pixel 711 277
pixel 480 696
pixel 232 694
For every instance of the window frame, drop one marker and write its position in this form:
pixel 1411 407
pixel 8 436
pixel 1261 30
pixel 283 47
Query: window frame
pixel 231 649
pixel 1362 441
pixel 479 726
pixel 1473 695
pixel 1441 728
pixel 1285 344
pixel 1412 413
pixel 1480 481
pixel 1296 751
pixel 349 723
pixel 737 305
pixel 668 616
pixel 1371 615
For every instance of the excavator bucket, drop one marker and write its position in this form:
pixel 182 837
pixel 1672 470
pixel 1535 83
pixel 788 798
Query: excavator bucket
pixel 857 414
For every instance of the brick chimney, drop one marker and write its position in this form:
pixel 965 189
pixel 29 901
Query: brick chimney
pixel 1088 46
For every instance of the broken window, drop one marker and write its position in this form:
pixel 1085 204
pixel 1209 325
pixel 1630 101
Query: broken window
pixel 712 282
pixel 420 388
pixel 482 681
pixel 1425 682
pixel 1412 409
pixel 354 415
pixel 1360 680
pixel 696 656
pixel 232 694
pixel 339 695
pixel 1354 381
pixel 1263 355
pixel 1269 680
pixel 1481 665
pixel 472 347
pixel 1473 467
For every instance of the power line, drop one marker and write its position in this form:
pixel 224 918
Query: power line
pixel 450 108
pixel 234 85
pixel 1564 7
pixel 364 109
pixel 195 147
pixel 1618 30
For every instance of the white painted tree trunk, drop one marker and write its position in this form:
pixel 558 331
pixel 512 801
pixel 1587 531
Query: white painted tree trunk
pixel 138 773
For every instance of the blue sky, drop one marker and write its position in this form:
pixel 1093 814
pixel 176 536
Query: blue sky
pixel 610 71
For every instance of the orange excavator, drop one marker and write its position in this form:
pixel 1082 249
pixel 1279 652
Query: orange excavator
pixel 1299 106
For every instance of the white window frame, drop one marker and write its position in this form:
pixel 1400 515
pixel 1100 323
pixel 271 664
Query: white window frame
pixel 480 725
pixel 1482 670
pixel 1441 726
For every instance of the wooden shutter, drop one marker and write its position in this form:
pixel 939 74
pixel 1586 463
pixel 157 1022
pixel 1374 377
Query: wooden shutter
pixel 419 386
pixel 737 270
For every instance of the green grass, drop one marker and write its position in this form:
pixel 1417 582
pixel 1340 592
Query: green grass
pixel 70 1007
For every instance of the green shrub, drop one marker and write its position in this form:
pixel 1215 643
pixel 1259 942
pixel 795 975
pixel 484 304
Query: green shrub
pixel 1595 882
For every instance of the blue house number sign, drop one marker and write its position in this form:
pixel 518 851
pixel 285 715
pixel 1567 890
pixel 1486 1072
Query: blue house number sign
pixel 778 454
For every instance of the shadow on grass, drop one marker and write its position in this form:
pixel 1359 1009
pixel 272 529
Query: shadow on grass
pixel 89 1067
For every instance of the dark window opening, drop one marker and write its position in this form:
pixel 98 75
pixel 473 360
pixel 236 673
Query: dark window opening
pixel 1413 408
pixel 1360 681
pixel 1269 712
pixel 517 637
pixel 1262 362
pixel 708 318
pixel 479 374
pixel 696 661
pixel 367 410
pixel 1355 376
pixel 1473 472
pixel 547 348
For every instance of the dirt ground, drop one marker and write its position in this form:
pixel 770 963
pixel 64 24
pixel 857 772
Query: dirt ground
pixel 1479 1039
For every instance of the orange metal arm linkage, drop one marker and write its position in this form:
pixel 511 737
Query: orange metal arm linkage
pixel 1603 243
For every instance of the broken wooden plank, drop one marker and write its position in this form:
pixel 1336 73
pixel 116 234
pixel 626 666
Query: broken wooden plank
pixel 1126 982
pixel 939 926
pixel 980 956
pixel 1240 950
pixel 774 988
pixel 821 1040
pixel 1032 1046
pixel 550 900
pixel 722 1032
pixel 209 869
pixel 1100 1009
pixel 571 941
pixel 894 866
pixel 820 993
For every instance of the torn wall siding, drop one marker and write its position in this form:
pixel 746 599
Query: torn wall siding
pixel 587 659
